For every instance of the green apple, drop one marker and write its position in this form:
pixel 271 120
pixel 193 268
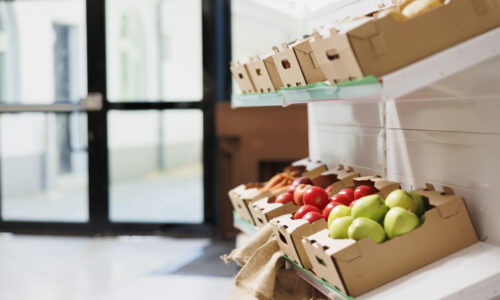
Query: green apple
pixel 337 212
pixel 366 228
pixel 338 228
pixel 371 207
pixel 399 221
pixel 421 201
pixel 400 198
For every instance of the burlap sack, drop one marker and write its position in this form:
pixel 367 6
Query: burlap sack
pixel 263 276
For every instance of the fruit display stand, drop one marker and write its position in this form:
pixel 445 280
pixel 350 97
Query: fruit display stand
pixel 434 121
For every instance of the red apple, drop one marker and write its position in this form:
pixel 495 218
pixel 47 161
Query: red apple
pixel 312 216
pixel 363 190
pixel 304 210
pixel 299 194
pixel 302 180
pixel 291 189
pixel 316 196
pixel 328 208
pixel 349 192
pixel 342 199
pixel 352 203
pixel 284 198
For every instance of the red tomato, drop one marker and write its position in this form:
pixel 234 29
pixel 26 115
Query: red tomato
pixel 328 208
pixel 363 190
pixel 312 216
pixel 304 210
pixel 299 194
pixel 342 199
pixel 316 196
pixel 349 192
pixel 328 189
pixel 284 198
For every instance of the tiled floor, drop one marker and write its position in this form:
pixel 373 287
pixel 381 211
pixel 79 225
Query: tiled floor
pixel 72 268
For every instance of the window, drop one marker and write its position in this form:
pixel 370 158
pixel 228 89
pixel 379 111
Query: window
pixel 154 50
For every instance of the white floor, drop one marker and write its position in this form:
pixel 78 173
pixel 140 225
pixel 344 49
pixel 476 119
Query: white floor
pixel 53 268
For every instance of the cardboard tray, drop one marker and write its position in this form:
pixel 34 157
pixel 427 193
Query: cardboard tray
pixel 382 185
pixel 339 178
pixel 244 194
pixel 357 267
pixel 289 234
pixel 383 45
pixel 264 210
pixel 264 74
pixel 240 74
pixel 297 64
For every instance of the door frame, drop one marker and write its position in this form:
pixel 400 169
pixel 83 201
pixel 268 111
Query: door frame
pixel 216 86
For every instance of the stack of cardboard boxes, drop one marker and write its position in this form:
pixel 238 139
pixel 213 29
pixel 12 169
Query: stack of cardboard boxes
pixel 368 45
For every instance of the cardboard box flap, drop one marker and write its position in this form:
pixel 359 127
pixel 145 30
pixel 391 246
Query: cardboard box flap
pixel 314 172
pixel 302 46
pixel 288 223
pixel 444 201
pixel 254 194
pixel 333 176
pixel 237 190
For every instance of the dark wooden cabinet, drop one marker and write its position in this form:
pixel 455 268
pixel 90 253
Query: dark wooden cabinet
pixel 254 144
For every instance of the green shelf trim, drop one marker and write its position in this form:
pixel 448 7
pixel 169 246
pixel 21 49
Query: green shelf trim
pixel 307 86
pixel 317 280
pixel 365 80
pixel 246 226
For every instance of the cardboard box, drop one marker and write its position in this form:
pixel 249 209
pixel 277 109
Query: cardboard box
pixel 330 46
pixel 339 178
pixel 272 71
pixel 358 267
pixel 260 76
pixel 383 186
pixel 289 234
pixel 244 194
pixel 297 64
pixel 383 45
pixel 264 210
pixel 240 74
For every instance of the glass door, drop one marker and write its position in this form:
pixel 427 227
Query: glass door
pixel 134 156
pixel 43 129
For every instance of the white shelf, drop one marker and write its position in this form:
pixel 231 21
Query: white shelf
pixel 445 64
pixel 471 67
pixel 472 273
